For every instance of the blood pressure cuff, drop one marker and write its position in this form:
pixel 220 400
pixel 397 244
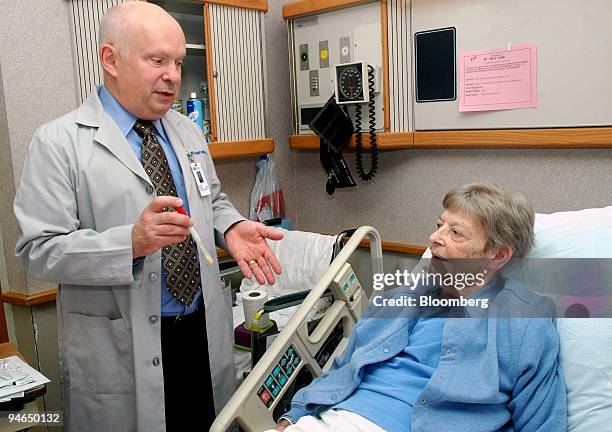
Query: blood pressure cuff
pixel 334 128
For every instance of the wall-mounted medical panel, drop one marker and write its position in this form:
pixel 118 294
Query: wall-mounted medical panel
pixel 573 40
pixel 319 42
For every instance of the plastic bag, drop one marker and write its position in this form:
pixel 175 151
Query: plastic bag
pixel 267 201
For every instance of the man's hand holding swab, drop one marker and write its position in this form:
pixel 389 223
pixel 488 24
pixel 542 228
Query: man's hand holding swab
pixel 156 228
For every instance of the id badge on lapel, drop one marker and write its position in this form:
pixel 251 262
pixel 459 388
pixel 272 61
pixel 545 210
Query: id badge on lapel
pixel 200 178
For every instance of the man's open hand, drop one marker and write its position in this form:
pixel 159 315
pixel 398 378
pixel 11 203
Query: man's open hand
pixel 246 241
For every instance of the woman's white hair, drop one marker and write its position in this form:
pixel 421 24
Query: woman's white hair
pixel 507 218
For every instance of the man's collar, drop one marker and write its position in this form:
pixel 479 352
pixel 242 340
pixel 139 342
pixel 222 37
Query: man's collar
pixel 125 120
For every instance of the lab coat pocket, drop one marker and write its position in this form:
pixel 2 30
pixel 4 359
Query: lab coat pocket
pixel 99 352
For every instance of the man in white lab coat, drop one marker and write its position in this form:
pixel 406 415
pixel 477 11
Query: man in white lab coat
pixel 132 348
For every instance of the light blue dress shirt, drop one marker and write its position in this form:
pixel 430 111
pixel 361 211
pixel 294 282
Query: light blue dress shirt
pixel 125 121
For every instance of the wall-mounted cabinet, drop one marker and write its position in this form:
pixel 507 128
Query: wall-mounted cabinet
pixel 224 66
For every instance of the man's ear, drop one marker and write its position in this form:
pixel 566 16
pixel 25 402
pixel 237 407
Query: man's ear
pixel 500 258
pixel 109 57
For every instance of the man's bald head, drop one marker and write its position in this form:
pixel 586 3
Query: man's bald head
pixel 121 20
pixel 141 51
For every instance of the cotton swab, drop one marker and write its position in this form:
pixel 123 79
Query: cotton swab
pixel 196 237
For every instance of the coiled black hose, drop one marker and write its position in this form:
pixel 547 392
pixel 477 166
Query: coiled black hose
pixel 372 132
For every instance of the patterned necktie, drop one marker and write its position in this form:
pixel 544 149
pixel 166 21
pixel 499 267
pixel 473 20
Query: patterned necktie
pixel 179 260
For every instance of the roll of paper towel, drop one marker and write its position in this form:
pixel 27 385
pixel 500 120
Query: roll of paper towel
pixel 253 301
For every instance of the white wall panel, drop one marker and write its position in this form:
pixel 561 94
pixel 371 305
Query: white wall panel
pixel 573 63
pixel 400 65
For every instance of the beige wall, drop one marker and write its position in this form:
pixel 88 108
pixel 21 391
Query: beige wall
pixel 38 85
pixel 404 200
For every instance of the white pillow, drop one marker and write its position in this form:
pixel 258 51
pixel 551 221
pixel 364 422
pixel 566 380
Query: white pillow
pixel 575 234
pixel 304 256
pixel 586 344
pixel 586 360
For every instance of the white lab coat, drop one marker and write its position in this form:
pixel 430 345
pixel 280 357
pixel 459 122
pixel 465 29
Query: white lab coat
pixel 81 190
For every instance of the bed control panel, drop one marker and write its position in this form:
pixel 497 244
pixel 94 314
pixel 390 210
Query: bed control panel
pixel 279 377
pixel 345 284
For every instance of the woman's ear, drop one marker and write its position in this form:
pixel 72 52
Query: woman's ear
pixel 500 258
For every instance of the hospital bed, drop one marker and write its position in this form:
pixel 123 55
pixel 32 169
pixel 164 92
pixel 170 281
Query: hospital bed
pixel 299 353
pixel 294 359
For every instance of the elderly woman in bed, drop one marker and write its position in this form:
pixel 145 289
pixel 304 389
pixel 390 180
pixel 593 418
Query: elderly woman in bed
pixel 418 370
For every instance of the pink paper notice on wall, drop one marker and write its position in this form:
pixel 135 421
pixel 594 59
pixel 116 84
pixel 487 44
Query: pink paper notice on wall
pixel 498 79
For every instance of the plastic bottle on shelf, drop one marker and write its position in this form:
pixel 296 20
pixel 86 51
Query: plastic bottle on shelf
pixel 205 110
pixel 194 110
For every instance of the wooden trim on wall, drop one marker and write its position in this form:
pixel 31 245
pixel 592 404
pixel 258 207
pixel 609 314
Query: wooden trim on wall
pixel 26 300
pixel 385 56
pixel 397 140
pixel 233 149
pixel 209 74
pixel 4 337
pixel 304 142
pixel 260 5
pixel 580 137
pixel 305 7
pixel 8 349
pixel 386 141
pixel 404 248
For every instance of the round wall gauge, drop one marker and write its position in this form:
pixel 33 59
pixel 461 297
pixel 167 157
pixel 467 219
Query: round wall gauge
pixel 350 83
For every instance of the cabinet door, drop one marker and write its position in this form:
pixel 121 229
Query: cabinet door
pixel 236 72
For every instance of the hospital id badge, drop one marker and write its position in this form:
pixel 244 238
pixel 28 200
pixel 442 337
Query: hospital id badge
pixel 198 174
